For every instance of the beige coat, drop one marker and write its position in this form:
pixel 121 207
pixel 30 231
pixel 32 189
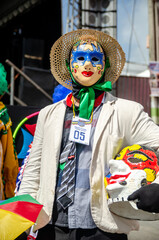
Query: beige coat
pixel 121 123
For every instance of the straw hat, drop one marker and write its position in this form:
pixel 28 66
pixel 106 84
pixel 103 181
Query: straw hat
pixel 60 52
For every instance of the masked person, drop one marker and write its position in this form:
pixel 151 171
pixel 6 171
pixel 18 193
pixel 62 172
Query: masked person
pixel 76 137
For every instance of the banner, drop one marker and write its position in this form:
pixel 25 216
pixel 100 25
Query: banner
pixel 154 88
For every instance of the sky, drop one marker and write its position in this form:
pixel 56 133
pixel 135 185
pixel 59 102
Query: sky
pixel 139 52
pixel 131 32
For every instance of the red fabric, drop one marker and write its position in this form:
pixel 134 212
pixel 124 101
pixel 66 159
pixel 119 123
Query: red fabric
pixel 68 100
pixel 29 237
pixel 30 128
pixel 27 210
pixel 98 100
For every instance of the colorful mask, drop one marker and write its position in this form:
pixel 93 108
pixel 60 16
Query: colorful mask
pixel 134 167
pixel 87 62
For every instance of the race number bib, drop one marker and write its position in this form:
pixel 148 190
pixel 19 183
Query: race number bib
pixel 80 130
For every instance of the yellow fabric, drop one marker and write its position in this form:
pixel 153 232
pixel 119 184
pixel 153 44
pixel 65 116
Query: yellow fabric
pixel 12 225
pixel 8 158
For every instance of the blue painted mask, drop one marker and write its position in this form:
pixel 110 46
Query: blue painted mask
pixel 87 62
pixel 80 55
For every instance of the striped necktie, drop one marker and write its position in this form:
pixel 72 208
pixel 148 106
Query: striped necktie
pixel 65 194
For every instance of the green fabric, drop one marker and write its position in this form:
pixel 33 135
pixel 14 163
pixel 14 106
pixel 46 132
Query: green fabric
pixel 87 94
pixel 4 117
pixel 88 98
pixel 3 81
pixel 24 198
pixel 62 166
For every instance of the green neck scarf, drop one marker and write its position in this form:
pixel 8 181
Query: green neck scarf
pixel 87 94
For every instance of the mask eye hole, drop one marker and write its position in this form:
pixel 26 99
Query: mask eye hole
pixel 94 59
pixel 135 160
pixel 80 58
pixel 123 183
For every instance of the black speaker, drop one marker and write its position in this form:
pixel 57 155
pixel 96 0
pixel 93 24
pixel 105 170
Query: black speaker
pixel 100 15
pixel 32 96
pixel 33 52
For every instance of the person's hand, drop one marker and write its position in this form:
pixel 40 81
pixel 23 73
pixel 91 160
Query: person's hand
pixel 32 235
pixel 147 198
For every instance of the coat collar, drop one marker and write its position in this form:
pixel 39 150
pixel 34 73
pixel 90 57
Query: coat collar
pixel 98 100
pixel 110 98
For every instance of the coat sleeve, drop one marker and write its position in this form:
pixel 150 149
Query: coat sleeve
pixel 143 130
pixel 31 177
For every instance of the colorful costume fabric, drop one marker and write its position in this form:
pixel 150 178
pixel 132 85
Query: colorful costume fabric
pixel 8 157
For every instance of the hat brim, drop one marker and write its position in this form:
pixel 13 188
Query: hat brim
pixel 128 209
pixel 61 49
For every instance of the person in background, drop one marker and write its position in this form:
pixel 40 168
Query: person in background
pixel 8 156
pixel 60 92
pixel 76 138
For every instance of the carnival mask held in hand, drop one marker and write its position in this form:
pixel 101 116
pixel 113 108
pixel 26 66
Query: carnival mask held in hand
pixel 134 167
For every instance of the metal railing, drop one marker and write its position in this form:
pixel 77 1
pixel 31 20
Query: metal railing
pixel 12 81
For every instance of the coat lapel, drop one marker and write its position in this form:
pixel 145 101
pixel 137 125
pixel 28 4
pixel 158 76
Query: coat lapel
pixel 58 120
pixel 105 114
